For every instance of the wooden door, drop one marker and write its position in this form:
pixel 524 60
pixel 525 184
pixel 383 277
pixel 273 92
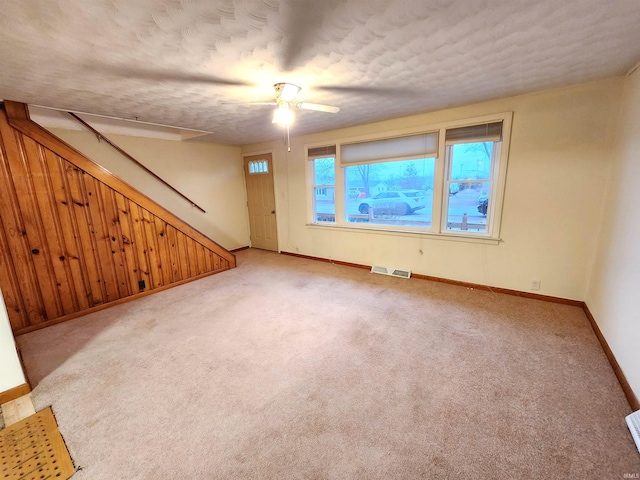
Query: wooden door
pixel 261 201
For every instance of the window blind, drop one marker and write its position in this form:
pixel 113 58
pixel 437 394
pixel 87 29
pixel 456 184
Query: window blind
pixel 320 152
pixel 424 145
pixel 484 132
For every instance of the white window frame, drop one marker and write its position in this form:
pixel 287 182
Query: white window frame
pixel 311 180
pixel 492 180
pixel 440 192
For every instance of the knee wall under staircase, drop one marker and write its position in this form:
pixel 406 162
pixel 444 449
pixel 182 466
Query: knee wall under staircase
pixel 74 238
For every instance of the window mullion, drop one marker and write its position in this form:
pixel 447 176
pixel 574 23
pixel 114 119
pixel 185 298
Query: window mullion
pixel 438 184
pixel 494 193
pixel 340 190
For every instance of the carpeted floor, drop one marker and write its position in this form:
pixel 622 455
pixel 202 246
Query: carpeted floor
pixel 291 368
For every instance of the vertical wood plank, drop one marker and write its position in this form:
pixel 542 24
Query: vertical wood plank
pixel 101 235
pixel 152 250
pixel 37 256
pixel 140 244
pixel 183 253
pixel 74 256
pixel 184 256
pixel 173 253
pixel 163 251
pixel 202 267
pixel 14 231
pixel 10 287
pixel 55 254
pixel 97 293
pixel 207 260
pixel 192 257
pixel 26 176
pixel 128 243
pixel 114 233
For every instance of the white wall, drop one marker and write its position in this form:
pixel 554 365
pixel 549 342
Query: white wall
pixel 210 175
pixel 560 153
pixel 614 285
pixel 11 374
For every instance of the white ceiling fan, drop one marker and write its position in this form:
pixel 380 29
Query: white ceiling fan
pixel 285 100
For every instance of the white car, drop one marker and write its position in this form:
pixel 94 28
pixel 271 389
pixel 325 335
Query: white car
pixel 394 202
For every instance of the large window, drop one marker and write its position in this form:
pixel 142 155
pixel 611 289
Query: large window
pixel 447 180
pixel 323 179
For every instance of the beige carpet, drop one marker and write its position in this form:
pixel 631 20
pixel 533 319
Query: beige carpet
pixel 291 368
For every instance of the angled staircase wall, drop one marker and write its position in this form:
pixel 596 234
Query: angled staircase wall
pixel 74 238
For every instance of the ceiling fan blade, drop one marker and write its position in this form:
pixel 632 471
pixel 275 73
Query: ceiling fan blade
pixel 364 90
pixel 303 20
pixel 164 75
pixel 318 107
pixel 249 103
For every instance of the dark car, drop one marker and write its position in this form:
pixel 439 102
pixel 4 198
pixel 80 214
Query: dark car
pixel 483 204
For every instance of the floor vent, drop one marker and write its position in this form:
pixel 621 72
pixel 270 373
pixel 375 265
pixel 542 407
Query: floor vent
pixel 633 420
pixel 394 272
pixel 33 448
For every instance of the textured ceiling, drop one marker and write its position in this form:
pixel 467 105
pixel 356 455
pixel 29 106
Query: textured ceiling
pixel 192 63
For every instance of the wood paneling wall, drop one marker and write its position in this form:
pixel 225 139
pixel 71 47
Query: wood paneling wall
pixel 74 238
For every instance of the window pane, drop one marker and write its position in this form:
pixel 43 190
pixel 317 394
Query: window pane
pixel 467 209
pixel 324 202
pixel 392 193
pixel 258 166
pixel 325 173
pixel 471 161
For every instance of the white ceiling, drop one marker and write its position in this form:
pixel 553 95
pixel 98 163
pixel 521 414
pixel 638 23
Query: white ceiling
pixel 191 63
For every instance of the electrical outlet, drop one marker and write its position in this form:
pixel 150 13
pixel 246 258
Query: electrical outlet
pixel 535 284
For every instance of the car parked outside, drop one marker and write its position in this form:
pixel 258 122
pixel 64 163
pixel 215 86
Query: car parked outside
pixel 483 204
pixel 394 202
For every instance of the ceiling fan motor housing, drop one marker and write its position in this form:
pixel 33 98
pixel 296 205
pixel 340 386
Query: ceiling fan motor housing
pixel 286 92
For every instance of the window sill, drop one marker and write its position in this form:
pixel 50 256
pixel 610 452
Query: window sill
pixel 409 233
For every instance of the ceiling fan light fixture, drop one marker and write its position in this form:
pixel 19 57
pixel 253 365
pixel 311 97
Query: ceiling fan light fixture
pixel 286 91
pixel 283 115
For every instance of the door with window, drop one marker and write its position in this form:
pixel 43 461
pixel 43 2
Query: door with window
pixel 261 202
